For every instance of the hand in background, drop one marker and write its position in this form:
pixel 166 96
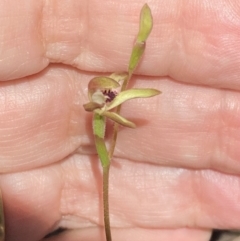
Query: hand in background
pixel 173 178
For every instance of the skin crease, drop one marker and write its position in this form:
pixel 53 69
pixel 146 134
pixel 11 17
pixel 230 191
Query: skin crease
pixel 176 176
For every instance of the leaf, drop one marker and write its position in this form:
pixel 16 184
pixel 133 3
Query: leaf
pixel 131 94
pixel 146 23
pixel 136 55
pixel 100 83
pixel 119 119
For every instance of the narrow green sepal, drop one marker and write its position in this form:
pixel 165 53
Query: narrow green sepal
pixel 132 94
pixel 119 119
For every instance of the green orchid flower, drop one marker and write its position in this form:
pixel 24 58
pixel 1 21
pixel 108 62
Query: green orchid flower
pixel 103 95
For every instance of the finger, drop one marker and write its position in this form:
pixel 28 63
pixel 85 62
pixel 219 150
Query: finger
pixel 31 204
pixel 195 43
pixel 42 119
pixel 22 46
pixel 186 126
pixel 70 194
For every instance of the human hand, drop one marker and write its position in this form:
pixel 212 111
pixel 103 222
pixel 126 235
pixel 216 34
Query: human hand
pixel 173 178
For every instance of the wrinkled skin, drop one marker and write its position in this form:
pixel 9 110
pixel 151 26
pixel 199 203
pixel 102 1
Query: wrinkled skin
pixel 176 176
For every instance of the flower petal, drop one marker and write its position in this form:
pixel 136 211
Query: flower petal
pixel 91 106
pixel 131 94
pixel 98 97
pixel 119 119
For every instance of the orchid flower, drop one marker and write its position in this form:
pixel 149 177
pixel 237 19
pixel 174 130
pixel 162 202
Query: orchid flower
pixel 103 96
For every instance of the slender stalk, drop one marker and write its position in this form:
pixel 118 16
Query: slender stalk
pixel 99 124
pixel 106 203
pixel 106 169
pixel 114 140
pixel 116 125
pixel 145 27
pixel 103 155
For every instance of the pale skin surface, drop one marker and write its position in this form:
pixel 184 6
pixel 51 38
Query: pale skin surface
pixel 173 178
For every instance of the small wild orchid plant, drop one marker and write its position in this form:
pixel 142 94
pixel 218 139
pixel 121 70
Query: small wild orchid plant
pixel 106 94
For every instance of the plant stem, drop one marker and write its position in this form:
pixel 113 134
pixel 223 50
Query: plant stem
pixel 106 203
pixel 105 161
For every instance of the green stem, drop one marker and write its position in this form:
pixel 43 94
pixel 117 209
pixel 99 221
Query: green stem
pixel 106 202
pixel 116 125
pixel 145 28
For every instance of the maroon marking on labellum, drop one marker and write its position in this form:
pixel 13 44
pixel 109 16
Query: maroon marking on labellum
pixel 110 95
